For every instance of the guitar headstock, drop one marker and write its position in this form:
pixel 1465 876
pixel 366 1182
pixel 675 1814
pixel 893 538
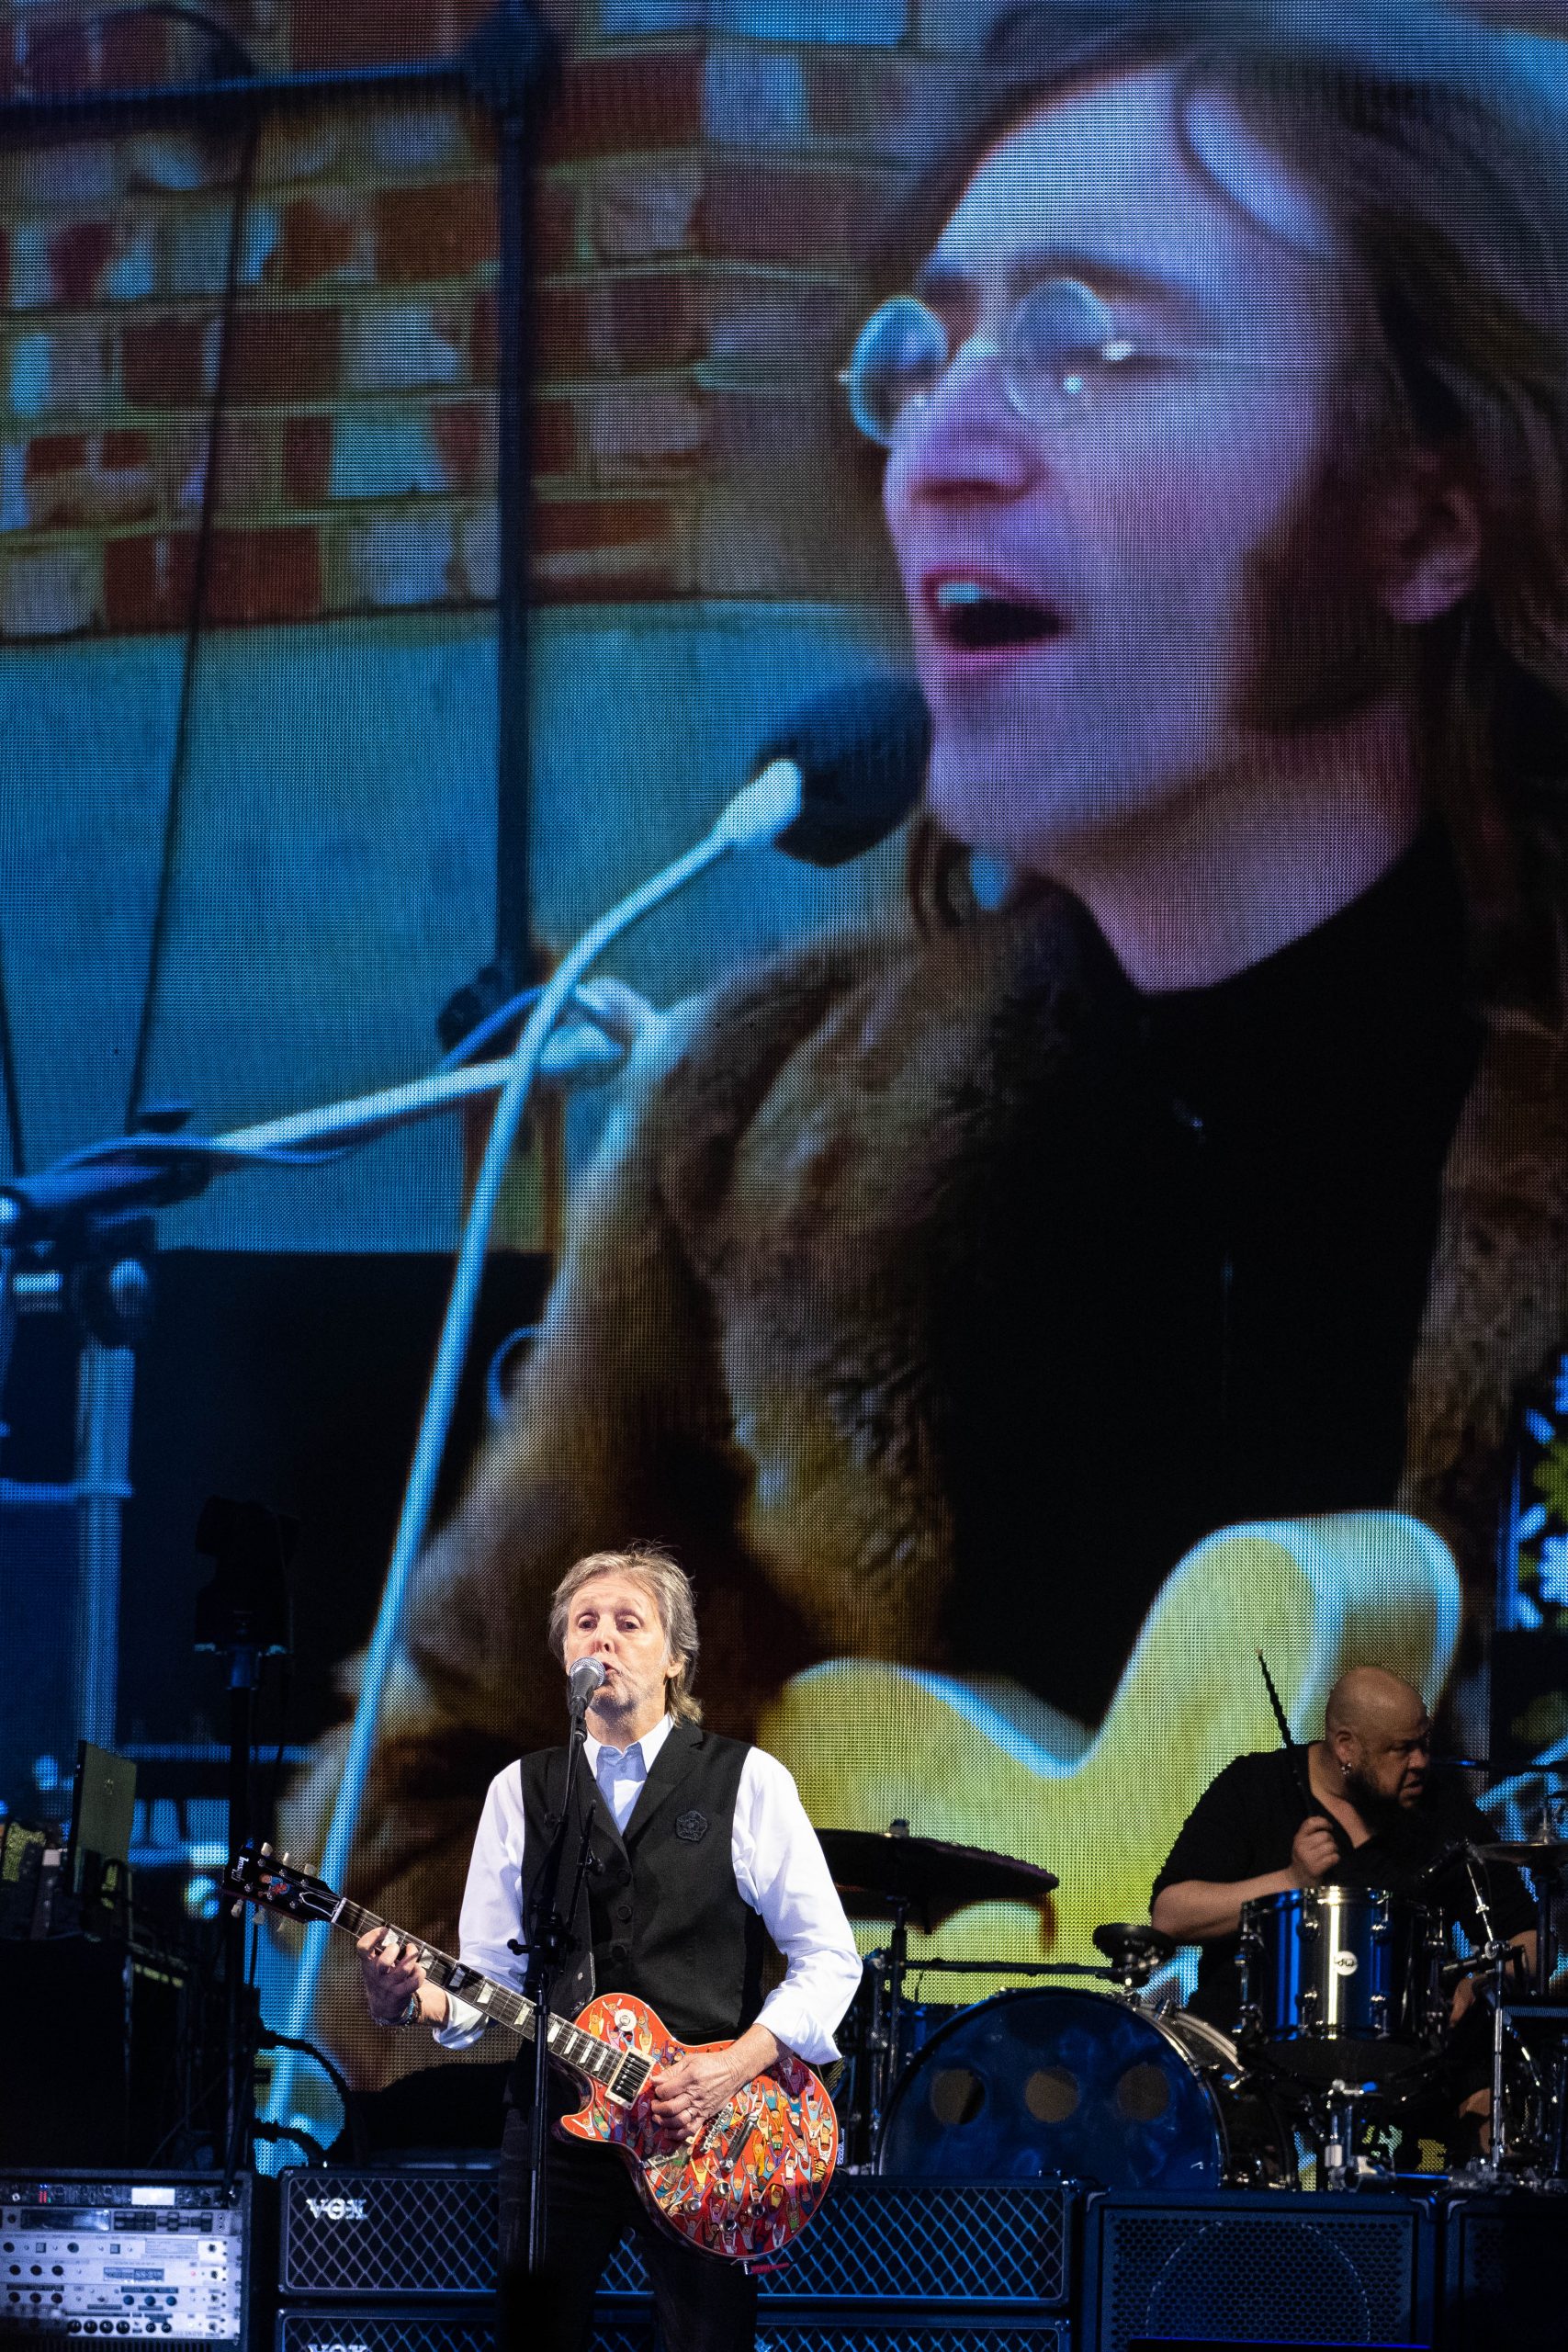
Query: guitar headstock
pixel 273 1884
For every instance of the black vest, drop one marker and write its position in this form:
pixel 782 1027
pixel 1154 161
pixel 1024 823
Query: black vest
pixel 661 1914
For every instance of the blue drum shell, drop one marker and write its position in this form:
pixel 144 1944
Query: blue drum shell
pixel 1339 1981
pixel 1040 2083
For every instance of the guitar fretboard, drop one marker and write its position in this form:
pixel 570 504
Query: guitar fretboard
pixel 621 2072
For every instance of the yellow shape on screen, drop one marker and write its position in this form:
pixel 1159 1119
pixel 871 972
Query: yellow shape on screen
pixel 869 1743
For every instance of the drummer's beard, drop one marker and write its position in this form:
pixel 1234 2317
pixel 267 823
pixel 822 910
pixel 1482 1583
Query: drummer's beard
pixel 1384 1817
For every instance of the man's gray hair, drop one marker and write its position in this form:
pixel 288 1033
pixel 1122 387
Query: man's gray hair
pixel 659 1574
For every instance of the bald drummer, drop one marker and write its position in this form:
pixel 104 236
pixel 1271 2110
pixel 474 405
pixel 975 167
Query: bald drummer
pixel 1372 1777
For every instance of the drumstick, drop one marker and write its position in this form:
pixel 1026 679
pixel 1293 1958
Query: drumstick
pixel 1298 1756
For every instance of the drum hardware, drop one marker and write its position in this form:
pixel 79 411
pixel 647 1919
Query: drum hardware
pixel 888 1874
pixel 1498 1960
pixel 1542 1859
pixel 888 2004
pixel 1501 2164
pixel 1135 1950
pixel 1525 2019
pixel 1338 2167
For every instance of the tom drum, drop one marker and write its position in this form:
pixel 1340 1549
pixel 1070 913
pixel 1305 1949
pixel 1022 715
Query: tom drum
pixel 1340 1982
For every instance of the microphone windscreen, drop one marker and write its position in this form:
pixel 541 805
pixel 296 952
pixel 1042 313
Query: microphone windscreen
pixel 584 1679
pixel 862 750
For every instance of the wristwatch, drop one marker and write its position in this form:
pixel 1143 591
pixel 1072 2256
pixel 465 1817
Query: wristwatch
pixel 405 2016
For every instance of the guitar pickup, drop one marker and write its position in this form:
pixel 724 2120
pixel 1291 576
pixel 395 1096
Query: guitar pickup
pixel 629 2078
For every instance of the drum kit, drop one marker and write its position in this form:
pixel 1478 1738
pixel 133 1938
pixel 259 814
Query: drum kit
pixel 1346 1999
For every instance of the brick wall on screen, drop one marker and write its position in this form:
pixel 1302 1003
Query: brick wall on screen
pixel 707 167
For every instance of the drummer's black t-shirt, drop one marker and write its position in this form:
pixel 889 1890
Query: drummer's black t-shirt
pixel 1245 1824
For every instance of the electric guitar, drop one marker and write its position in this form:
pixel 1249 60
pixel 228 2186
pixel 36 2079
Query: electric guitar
pixel 746 2185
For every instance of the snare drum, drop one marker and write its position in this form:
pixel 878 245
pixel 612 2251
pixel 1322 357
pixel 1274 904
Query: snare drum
pixel 1340 1982
pixel 1039 2083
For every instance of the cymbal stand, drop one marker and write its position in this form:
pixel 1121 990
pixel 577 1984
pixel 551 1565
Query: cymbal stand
pixel 1545 1876
pixel 1546 1885
pixel 884 2040
pixel 1529 2020
pixel 1498 1953
pixel 1497 1956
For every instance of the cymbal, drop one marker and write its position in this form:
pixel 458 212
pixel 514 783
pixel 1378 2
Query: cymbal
pixel 1535 1853
pixel 879 1871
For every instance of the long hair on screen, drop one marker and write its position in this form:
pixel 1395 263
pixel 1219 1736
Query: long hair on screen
pixel 1441 163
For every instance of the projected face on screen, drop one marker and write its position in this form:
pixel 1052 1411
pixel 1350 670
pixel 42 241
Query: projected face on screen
pixel 1082 578
pixel 1129 527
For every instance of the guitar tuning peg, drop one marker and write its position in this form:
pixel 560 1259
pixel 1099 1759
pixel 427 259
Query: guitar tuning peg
pixel 283 1864
pixel 266 1852
pixel 236 1911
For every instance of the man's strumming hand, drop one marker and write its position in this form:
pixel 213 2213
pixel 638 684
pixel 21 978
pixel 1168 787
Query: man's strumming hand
pixel 689 2094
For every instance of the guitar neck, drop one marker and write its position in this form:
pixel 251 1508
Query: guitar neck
pixel 582 2053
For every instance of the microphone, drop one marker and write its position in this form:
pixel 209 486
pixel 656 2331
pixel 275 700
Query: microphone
pixel 582 1681
pixel 860 752
pixel 1458 1849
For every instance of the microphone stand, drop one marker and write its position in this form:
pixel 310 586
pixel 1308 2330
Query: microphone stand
pixel 547 1940
pixel 1488 2169
pixel 756 817
pixel 147 1170
pixel 78 1237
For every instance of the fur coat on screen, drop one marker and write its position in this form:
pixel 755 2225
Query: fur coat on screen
pixel 789 1240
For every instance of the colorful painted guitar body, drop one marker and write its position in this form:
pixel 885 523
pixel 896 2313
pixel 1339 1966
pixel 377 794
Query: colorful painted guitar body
pixel 755 2174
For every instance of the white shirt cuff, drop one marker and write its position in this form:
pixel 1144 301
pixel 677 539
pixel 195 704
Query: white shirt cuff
pixel 464 2025
pixel 789 2021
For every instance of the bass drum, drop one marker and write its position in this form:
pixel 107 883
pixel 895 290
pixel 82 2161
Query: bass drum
pixel 1259 2125
pixel 1035 2084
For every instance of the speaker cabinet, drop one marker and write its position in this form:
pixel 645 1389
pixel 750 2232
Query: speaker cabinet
pixel 1236 2268
pixel 982 2244
pixel 445 2328
pixel 427 2229
pixel 1503 2274
pixel 430 2231
pixel 826 2329
pixel 431 2327
pixel 425 2327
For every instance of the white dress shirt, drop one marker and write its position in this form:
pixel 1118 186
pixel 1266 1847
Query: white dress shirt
pixel 780 1869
